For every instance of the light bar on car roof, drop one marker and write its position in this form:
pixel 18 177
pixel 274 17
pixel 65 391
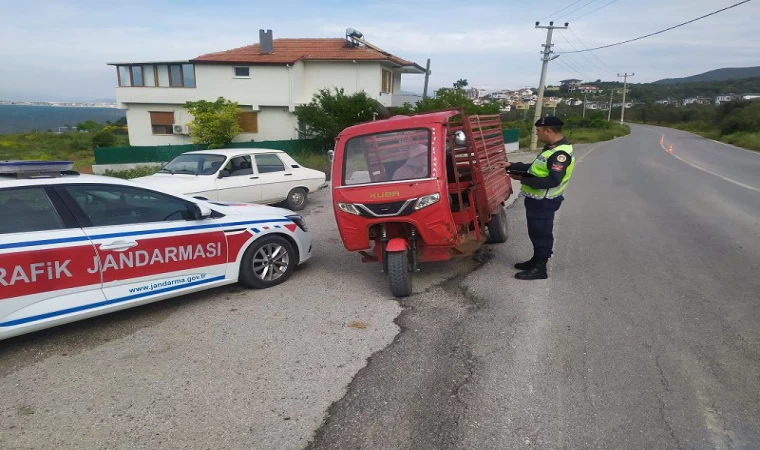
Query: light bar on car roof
pixel 23 169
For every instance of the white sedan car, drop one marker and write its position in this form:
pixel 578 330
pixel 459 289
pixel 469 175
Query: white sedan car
pixel 77 246
pixel 238 175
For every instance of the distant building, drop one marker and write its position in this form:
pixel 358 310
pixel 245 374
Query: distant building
pixel 569 85
pixel 750 96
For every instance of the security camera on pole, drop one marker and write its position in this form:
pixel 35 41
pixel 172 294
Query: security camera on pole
pixel 547 57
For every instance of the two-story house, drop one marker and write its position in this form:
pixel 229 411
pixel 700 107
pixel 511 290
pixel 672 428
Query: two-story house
pixel 268 80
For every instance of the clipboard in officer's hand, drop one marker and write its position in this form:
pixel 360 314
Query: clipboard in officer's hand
pixel 520 172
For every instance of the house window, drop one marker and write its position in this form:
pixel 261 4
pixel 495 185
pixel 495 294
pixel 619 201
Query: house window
pixel 175 75
pixel 242 72
pixel 161 122
pixel 162 72
pixel 249 122
pixel 152 75
pixel 387 86
pixel 124 76
pixel 137 76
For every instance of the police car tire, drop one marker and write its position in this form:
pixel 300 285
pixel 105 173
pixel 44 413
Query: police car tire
pixel 296 199
pixel 497 227
pixel 247 276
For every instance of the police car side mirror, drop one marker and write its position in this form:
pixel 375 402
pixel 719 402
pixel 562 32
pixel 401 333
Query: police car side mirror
pixel 199 212
pixel 224 173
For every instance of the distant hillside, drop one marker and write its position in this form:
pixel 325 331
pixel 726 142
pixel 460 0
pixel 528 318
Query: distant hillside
pixel 735 73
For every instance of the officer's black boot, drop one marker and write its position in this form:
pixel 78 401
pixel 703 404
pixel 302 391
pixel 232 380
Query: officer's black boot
pixel 537 272
pixel 527 265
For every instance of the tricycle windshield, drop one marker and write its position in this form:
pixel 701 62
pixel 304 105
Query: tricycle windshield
pixel 194 164
pixel 389 156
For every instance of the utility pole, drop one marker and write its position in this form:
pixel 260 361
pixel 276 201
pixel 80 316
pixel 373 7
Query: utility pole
pixel 625 83
pixel 427 77
pixel 547 57
pixel 584 104
pixel 609 112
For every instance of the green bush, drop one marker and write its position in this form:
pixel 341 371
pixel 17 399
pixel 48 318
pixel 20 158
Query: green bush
pixel 139 171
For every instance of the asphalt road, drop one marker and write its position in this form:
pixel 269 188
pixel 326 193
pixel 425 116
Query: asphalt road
pixel 646 334
pixel 227 368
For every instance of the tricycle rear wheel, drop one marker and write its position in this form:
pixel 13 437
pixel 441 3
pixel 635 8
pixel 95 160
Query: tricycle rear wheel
pixel 398 273
pixel 497 227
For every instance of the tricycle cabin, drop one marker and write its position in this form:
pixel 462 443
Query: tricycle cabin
pixel 387 156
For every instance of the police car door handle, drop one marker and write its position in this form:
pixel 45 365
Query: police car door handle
pixel 254 178
pixel 118 245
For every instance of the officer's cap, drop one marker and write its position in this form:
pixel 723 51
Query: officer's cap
pixel 549 121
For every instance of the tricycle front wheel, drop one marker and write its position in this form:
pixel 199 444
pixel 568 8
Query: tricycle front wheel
pixel 398 273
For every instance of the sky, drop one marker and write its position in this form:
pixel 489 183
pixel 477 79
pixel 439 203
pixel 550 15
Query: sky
pixel 58 50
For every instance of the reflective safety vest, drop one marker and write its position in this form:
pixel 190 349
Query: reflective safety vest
pixel 539 169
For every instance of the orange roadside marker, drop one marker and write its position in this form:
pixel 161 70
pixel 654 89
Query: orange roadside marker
pixel 670 148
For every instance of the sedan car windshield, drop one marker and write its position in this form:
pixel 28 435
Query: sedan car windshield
pixel 194 164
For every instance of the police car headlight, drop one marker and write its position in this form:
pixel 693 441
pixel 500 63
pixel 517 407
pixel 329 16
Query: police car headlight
pixel 298 220
pixel 424 202
pixel 349 208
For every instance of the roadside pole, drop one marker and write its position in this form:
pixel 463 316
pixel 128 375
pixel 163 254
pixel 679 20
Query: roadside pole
pixel 625 83
pixel 427 78
pixel 547 57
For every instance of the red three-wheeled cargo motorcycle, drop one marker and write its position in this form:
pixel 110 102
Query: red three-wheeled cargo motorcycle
pixel 420 188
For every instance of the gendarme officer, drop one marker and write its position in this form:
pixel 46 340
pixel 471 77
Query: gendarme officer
pixel 542 186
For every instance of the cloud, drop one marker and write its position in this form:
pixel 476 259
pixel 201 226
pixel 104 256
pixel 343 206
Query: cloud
pixel 60 49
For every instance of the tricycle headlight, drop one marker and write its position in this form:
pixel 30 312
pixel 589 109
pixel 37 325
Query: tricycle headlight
pixel 298 220
pixel 424 202
pixel 349 208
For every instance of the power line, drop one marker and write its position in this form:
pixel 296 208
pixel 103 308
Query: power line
pixel 580 7
pixel 595 10
pixel 662 31
pixel 557 12
pixel 590 63
pixel 583 44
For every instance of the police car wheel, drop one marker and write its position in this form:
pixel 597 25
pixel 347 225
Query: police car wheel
pixel 267 262
pixel 296 199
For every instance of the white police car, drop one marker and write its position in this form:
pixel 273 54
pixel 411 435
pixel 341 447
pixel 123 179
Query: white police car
pixel 76 246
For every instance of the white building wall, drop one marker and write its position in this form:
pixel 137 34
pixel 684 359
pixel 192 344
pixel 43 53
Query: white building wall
pixel 271 90
pixel 275 123
pixel 267 85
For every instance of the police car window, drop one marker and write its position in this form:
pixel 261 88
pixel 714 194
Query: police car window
pixel 269 163
pixel 108 205
pixel 30 209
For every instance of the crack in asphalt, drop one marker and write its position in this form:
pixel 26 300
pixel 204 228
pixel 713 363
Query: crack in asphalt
pixel 457 304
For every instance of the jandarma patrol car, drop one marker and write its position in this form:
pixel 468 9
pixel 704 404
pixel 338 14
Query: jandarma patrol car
pixel 76 246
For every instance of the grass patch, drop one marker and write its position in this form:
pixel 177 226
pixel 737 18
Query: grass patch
pixel 76 147
pixel 313 160
pixel 750 141
pixel 591 135
pixel 139 171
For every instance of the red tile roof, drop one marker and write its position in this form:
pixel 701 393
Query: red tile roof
pixel 288 51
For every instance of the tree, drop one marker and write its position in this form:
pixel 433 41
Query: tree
pixel 447 98
pixel 103 139
pixel 214 123
pixel 89 126
pixel 329 113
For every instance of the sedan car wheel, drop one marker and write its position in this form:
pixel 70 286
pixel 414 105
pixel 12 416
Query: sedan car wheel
pixel 269 261
pixel 296 199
